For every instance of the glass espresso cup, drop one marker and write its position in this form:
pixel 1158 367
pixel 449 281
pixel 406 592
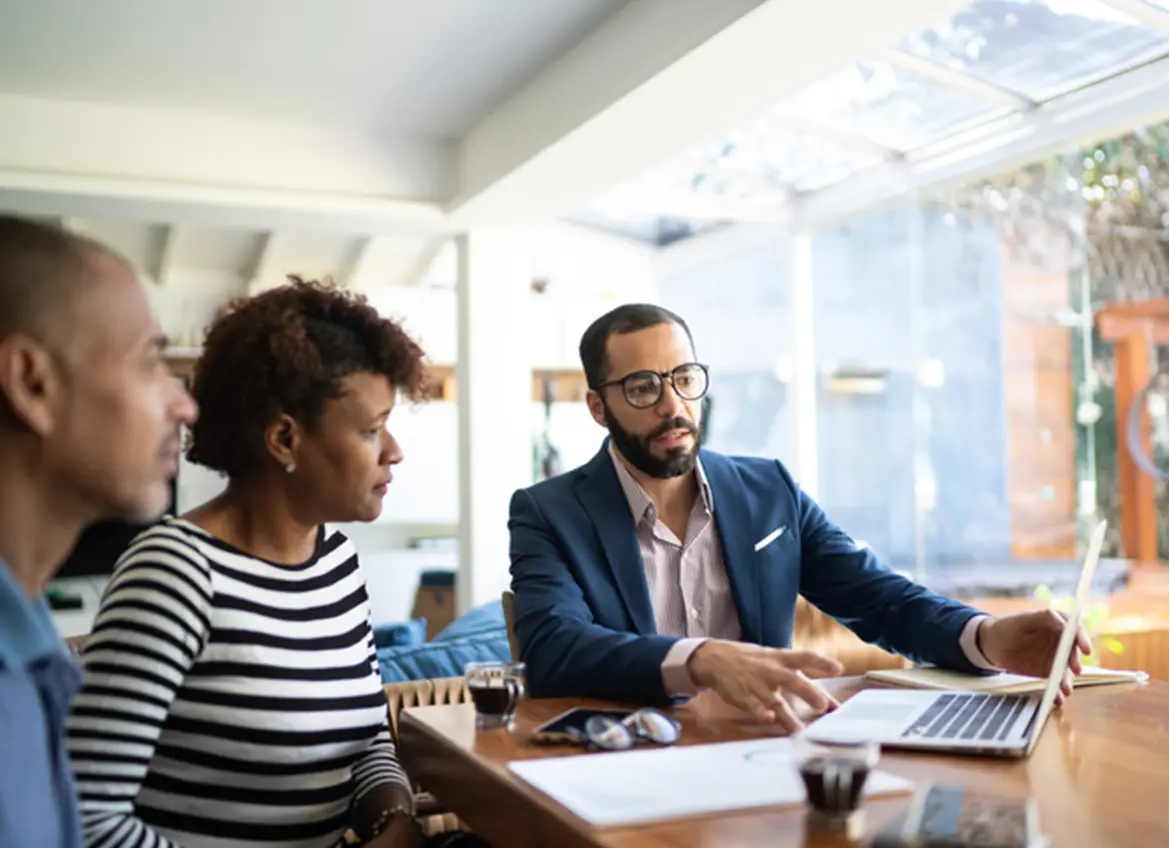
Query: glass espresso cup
pixel 834 777
pixel 496 689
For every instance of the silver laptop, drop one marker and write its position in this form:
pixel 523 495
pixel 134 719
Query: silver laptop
pixel 959 722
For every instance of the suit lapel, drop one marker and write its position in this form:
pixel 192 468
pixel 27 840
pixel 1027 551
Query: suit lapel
pixel 604 501
pixel 733 519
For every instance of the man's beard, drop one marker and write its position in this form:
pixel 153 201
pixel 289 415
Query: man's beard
pixel 677 462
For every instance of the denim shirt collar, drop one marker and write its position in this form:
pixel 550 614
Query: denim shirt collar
pixel 27 632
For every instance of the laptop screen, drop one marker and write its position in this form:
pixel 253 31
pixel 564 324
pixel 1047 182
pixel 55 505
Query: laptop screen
pixel 1068 637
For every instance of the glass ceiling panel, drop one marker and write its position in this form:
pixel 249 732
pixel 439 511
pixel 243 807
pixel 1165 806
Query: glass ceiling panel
pixel 761 161
pixel 766 158
pixel 1040 48
pixel 896 108
pixel 653 229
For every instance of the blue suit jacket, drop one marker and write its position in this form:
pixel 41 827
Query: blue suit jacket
pixel 582 607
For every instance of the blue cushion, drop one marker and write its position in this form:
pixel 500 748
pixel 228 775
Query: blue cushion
pixel 478 635
pixel 402 634
pixel 485 618
pixel 441 659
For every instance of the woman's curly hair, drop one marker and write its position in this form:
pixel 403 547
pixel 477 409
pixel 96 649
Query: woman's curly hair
pixel 287 351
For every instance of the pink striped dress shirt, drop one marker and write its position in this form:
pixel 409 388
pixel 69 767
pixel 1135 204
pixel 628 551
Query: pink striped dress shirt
pixel 689 590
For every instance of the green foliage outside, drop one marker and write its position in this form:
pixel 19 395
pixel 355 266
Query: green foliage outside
pixel 1101 212
pixel 1093 618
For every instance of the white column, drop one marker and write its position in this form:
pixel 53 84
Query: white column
pixel 804 365
pixel 925 484
pixel 494 395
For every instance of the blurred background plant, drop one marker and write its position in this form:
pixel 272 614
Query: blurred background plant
pixel 1094 618
pixel 1102 213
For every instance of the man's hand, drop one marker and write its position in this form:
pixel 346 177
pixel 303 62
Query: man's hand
pixel 752 678
pixel 1025 642
pixel 402 832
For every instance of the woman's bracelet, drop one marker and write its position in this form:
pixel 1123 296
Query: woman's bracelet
pixel 388 814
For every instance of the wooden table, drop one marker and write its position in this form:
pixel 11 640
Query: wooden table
pixel 1099 775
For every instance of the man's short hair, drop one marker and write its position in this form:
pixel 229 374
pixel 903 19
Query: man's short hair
pixel 42 270
pixel 42 267
pixel 627 318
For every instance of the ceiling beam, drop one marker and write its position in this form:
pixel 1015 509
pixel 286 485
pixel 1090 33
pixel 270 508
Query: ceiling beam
pixel 960 80
pixel 1147 14
pixel 197 149
pixel 655 79
pixel 263 273
pixel 357 264
pixel 422 264
pixel 50 193
pixel 164 240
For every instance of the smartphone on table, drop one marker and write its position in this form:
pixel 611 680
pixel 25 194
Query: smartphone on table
pixel 568 728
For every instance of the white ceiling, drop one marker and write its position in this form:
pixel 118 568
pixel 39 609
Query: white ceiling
pixel 390 116
pixel 222 143
pixel 421 67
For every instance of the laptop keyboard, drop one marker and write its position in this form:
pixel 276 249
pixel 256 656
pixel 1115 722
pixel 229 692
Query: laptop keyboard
pixel 982 717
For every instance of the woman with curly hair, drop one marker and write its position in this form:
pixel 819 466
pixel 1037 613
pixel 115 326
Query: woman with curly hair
pixel 231 695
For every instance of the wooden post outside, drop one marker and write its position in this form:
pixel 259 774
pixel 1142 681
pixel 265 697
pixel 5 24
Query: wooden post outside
pixel 1139 523
pixel 1131 328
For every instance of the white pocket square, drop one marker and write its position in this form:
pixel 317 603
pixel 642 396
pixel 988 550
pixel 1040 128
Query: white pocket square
pixel 770 538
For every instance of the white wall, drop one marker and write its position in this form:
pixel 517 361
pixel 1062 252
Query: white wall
pixel 587 273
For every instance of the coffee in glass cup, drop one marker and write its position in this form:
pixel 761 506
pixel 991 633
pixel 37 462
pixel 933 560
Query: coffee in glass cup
pixel 834 777
pixel 496 690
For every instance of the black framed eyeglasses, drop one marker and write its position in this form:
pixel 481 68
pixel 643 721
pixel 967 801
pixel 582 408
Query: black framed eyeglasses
pixel 643 389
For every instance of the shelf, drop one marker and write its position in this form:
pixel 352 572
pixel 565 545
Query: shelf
pixel 567 384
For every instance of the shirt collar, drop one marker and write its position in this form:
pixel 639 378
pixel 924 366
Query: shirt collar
pixel 27 632
pixel 640 503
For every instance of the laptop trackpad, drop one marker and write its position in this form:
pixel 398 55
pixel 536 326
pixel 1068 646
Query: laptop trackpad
pixel 864 718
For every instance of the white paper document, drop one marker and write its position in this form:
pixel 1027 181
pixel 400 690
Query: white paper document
pixel 633 787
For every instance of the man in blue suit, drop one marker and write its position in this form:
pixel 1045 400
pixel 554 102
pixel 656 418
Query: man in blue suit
pixel 658 569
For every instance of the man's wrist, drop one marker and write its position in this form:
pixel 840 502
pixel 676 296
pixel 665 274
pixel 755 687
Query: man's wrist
pixel 676 672
pixel 698 663
pixel 982 640
pixel 972 642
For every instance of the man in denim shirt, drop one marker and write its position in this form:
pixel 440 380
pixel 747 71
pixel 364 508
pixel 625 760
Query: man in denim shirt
pixel 89 429
pixel 37 679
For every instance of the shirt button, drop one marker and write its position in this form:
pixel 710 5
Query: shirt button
pixel 694 614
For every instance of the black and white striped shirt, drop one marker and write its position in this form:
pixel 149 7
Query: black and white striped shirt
pixel 228 700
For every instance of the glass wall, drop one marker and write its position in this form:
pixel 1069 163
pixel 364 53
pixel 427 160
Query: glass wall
pixel 907 304
pixel 965 394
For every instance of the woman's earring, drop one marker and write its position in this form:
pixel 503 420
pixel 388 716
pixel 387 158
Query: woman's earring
pixel 290 468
